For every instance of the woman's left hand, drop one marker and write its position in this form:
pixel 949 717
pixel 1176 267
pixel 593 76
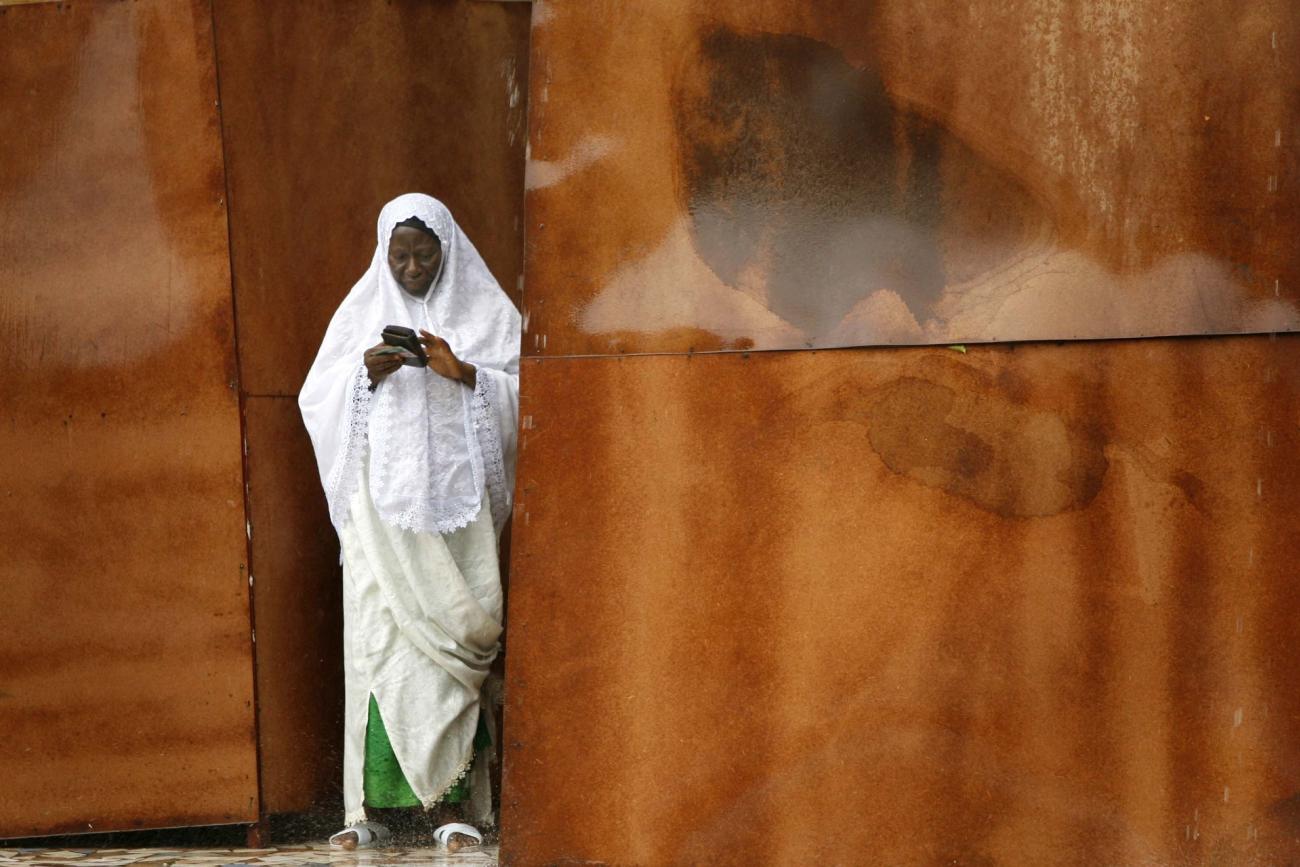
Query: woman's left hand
pixel 444 362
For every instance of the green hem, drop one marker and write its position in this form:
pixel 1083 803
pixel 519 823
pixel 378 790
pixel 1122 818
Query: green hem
pixel 386 785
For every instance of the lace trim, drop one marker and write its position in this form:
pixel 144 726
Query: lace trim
pixel 421 519
pixel 355 817
pixel 489 440
pixel 346 478
pixel 461 773
pixel 381 451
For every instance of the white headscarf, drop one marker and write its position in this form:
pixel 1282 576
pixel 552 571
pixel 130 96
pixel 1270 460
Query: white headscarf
pixel 428 435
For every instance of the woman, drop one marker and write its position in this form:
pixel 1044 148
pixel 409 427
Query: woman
pixel 418 465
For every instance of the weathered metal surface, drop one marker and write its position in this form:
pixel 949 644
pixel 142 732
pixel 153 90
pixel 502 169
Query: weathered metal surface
pixel 1026 605
pixel 297 597
pixel 125 669
pixel 790 174
pixel 408 96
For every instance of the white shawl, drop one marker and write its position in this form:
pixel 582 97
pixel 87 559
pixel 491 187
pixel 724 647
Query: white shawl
pixel 419 426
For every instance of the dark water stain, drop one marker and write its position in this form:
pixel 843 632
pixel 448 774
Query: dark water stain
pixel 1286 812
pixel 790 161
pixel 1004 457
pixel 799 171
pixel 1193 489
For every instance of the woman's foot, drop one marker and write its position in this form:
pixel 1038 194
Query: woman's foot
pixel 362 835
pixel 457 836
pixel 456 842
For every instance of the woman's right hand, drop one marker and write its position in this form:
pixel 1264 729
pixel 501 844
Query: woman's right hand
pixel 380 365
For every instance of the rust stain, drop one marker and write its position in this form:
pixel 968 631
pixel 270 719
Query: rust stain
pixel 1003 457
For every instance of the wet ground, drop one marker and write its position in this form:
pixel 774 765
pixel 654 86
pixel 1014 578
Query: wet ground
pixel 287 856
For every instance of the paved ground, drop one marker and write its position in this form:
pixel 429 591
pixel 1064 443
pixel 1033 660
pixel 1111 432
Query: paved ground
pixel 286 856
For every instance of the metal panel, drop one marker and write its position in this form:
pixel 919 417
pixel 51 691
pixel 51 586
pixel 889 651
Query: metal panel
pixel 408 96
pixel 125 670
pixel 790 174
pixel 1025 605
pixel 298 599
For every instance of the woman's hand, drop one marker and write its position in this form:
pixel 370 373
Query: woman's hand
pixel 381 361
pixel 444 362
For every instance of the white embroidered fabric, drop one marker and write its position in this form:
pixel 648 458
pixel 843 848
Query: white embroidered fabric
pixel 487 431
pixel 404 449
pixel 346 474
pixel 428 436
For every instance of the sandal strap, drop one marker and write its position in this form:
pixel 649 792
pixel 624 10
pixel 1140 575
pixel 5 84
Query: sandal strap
pixel 367 833
pixel 444 832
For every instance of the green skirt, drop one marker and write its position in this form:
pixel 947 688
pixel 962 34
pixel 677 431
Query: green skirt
pixel 386 785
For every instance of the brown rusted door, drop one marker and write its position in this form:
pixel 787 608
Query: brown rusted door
pixel 125 659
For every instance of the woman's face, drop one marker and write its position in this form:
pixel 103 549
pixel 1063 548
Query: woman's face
pixel 414 258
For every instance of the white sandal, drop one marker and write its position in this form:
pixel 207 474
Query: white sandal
pixel 444 832
pixel 369 835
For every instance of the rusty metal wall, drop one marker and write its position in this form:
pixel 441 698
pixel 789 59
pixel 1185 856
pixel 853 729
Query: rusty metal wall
pixel 1013 604
pixel 845 172
pixel 1031 604
pixel 328 111
pixel 125 660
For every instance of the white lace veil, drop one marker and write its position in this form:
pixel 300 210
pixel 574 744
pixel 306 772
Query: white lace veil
pixel 426 468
